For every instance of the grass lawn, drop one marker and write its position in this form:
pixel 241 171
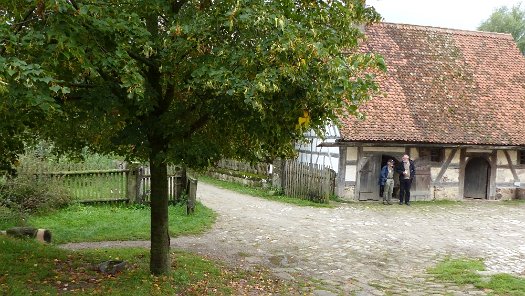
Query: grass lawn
pixel 31 268
pixel 260 192
pixel 82 223
pixel 464 271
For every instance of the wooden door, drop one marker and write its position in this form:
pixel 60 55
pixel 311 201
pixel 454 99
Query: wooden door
pixel 369 177
pixel 421 183
pixel 477 178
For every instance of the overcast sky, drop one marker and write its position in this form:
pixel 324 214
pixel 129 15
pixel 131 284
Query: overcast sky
pixel 457 14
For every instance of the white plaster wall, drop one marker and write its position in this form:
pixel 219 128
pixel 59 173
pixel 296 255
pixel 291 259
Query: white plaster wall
pixel 451 175
pixel 450 193
pixel 513 156
pixel 351 153
pixel 455 160
pixel 414 153
pixel 521 176
pixel 350 173
pixel 502 160
pixel 504 176
pixel 434 172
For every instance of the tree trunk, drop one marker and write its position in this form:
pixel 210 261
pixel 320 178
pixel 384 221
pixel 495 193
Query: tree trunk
pixel 160 241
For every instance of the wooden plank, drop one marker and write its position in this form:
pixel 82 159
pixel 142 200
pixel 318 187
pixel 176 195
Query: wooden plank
pixel 511 165
pixel 341 174
pixel 444 166
pixel 493 172
pixel 462 164
pixel 358 174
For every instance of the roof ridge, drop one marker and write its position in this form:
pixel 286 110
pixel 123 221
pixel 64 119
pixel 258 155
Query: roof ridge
pixel 448 30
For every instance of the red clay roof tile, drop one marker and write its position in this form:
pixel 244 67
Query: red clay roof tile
pixel 443 86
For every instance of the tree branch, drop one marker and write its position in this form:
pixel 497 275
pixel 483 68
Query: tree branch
pixel 177 5
pixel 201 122
pixel 74 3
pixel 18 26
pixel 140 58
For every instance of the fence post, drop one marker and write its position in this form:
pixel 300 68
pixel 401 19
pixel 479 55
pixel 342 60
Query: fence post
pixel 278 174
pixel 192 195
pixel 133 184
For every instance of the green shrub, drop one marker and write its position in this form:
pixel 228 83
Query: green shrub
pixel 10 218
pixel 29 194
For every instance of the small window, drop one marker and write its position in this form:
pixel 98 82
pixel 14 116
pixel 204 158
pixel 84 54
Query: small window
pixel 436 154
pixel 432 154
pixel 521 156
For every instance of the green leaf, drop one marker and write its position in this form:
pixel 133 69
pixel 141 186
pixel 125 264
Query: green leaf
pixel 55 88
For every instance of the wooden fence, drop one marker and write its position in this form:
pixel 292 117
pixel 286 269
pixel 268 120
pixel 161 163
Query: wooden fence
pixel 307 181
pixel 95 185
pixel 132 185
pixel 177 184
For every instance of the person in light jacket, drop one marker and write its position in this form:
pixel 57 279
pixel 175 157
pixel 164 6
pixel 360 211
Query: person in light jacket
pixel 406 171
pixel 386 182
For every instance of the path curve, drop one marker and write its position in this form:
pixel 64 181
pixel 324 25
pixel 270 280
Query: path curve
pixel 369 249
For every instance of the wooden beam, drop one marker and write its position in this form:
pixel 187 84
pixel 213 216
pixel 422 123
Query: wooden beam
pixel 358 173
pixel 444 166
pixel 341 174
pixel 414 144
pixel 462 163
pixel 511 166
pixel 493 172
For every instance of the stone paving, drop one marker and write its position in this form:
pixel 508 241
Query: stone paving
pixel 361 248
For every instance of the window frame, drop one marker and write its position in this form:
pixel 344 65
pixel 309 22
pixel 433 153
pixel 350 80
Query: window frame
pixel 434 154
pixel 521 156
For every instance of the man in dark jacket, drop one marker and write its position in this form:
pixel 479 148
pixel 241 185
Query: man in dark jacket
pixel 406 171
pixel 386 182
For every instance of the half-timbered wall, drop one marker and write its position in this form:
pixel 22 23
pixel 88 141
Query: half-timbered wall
pixel 445 176
pixel 310 153
pixel 479 173
pixel 510 174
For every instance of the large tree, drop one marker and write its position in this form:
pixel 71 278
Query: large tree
pixel 507 20
pixel 184 82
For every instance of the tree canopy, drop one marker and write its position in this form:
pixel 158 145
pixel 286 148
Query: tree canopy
pixel 184 82
pixel 507 20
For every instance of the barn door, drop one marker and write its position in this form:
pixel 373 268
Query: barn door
pixel 477 174
pixel 421 186
pixel 369 177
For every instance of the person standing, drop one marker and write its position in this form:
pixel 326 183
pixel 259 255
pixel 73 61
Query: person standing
pixel 386 181
pixel 406 171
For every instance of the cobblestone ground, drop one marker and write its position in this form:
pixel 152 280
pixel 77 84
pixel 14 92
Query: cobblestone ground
pixel 361 248
pixel 365 248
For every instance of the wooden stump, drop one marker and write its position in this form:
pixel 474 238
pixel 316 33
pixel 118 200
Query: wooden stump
pixel 41 235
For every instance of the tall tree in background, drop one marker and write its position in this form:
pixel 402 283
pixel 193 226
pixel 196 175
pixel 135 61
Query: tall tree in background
pixel 184 82
pixel 507 20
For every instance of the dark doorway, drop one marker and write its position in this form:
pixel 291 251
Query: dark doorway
pixel 477 174
pixel 384 159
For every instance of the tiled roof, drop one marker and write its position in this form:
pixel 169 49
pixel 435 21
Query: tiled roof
pixel 443 86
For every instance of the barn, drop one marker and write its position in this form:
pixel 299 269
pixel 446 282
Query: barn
pixel 453 100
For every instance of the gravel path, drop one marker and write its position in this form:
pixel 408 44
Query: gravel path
pixel 362 248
